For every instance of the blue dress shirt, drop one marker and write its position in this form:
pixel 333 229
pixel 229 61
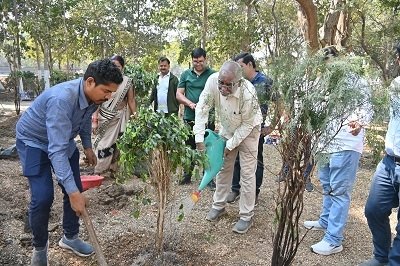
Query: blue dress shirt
pixel 52 122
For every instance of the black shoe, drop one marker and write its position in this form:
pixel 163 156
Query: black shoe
pixel 212 186
pixel 185 181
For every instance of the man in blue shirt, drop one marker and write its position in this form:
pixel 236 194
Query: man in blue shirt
pixel 45 142
pixel 263 85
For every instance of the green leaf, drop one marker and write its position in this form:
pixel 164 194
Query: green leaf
pixel 136 214
pixel 181 216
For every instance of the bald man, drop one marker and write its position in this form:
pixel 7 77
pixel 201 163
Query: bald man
pixel 236 104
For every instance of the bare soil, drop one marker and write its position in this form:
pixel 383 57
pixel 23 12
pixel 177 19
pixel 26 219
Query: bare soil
pixel 192 241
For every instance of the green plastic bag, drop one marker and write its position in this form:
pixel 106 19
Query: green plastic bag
pixel 215 146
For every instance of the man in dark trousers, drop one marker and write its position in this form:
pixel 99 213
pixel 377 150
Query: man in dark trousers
pixel 190 86
pixel 45 142
pixel 384 192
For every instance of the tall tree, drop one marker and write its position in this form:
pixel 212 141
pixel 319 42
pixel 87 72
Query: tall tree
pixel 309 23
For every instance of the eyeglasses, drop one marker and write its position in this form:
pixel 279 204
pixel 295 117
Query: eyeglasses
pixel 198 62
pixel 227 85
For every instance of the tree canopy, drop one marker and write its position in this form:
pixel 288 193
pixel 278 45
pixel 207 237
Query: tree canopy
pixel 71 32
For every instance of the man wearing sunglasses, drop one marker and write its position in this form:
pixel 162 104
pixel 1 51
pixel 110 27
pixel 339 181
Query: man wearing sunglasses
pixel 236 105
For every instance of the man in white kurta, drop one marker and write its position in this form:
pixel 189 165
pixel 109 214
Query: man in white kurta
pixel 236 105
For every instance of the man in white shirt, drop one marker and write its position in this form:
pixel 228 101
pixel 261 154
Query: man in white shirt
pixel 164 94
pixel 338 174
pixel 384 191
pixel 236 105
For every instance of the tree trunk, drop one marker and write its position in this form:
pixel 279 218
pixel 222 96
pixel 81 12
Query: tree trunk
pixel 205 25
pixel 245 43
pixel 46 70
pixel 276 31
pixel 309 23
pixel 289 199
pixel 335 30
pixel 374 56
pixel 160 173
pixel 39 70
pixel 344 30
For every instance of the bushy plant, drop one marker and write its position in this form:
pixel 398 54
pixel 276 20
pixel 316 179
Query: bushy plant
pixel 312 94
pixel 59 76
pixel 157 141
pixel 375 138
pixel 143 82
pixel 11 80
pixel 376 133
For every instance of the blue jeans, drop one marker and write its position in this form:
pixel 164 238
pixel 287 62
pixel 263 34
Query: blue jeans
pixel 383 196
pixel 36 166
pixel 337 178
pixel 259 172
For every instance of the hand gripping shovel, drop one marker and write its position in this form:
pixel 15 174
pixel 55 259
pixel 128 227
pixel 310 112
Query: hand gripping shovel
pixel 93 238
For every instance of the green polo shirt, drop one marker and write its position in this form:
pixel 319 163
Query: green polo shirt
pixel 193 85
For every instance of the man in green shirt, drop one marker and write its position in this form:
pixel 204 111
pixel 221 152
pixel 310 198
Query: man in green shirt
pixel 190 86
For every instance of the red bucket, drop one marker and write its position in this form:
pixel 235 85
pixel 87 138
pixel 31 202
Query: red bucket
pixel 89 181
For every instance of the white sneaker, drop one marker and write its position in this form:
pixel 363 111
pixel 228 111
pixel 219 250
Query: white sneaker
pixel 324 248
pixel 313 225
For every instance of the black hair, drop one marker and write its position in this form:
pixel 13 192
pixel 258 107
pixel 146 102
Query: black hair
pixel 103 72
pixel 398 49
pixel 162 59
pixel 199 52
pixel 118 58
pixel 246 58
pixel 330 51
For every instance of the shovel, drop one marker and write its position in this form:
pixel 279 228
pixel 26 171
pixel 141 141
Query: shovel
pixel 93 238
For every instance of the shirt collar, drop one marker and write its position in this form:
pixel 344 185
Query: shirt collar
pixel 167 75
pixel 205 70
pixel 256 77
pixel 83 102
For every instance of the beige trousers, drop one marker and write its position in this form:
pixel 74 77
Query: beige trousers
pixel 248 162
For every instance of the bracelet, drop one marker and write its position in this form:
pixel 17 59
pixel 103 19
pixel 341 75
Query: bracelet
pixel 95 119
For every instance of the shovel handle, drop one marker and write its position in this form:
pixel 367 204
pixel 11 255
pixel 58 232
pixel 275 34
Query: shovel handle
pixel 93 238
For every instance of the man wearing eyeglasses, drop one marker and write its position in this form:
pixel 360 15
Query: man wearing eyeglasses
pixel 263 85
pixel 236 103
pixel 190 86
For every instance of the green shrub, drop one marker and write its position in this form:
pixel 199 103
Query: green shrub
pixel 143 82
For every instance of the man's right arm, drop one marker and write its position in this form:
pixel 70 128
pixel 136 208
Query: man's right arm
pixel 180 96
pixel 180 93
